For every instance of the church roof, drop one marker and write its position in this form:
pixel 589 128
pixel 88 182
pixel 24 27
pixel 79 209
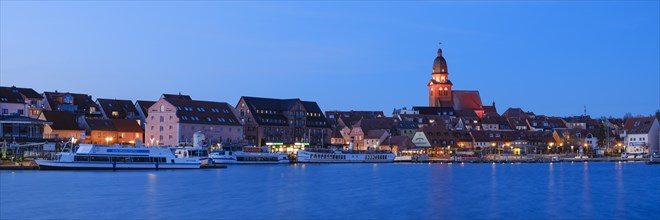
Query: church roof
pixel 467 100
pixel 440 64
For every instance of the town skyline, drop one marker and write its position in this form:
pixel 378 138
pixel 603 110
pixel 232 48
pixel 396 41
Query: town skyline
pixel 360 61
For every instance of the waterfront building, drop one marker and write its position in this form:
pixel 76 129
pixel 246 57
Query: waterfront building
pixel 21 128
pixel 283 124
pixel 63 126
pixel 112 131
pixel 641 135
pixel 173 120
pixel 362 127
pixel 374 138
pixel 348 118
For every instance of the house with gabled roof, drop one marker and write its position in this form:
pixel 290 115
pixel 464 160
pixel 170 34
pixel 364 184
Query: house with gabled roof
pixel 118 109
pixel 641 135
pixel 173 120
pixel 62 126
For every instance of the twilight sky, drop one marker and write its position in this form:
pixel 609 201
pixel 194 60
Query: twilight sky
pixel 552 58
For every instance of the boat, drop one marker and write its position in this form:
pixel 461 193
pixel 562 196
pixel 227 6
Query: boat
pixel 90 156
pixel 247 155
pixel 344 156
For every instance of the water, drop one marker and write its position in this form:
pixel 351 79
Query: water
pixel 340 191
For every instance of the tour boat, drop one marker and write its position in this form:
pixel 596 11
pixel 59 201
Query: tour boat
pixel 345 156
pixel 89 156
pixel 247 155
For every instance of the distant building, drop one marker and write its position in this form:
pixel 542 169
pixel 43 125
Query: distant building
pixel 174 119
pixel 442 95
pixel 283 123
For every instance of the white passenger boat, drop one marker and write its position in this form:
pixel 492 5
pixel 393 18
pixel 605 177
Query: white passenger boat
pixel 89 156
pixel 344 156
pixel 247 155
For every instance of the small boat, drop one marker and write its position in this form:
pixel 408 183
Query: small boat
pixel 90 156
pixel 247 155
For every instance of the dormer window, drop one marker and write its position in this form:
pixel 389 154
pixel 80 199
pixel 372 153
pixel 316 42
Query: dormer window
pixel 67 99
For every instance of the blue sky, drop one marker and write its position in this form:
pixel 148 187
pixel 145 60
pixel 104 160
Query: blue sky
pixel 552 58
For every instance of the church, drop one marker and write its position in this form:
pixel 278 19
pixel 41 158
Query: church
pixel 445 101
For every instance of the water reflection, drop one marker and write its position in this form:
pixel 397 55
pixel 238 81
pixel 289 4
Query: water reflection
pixel 341 191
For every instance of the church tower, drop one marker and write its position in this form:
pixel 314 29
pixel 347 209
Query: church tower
pixel 440 85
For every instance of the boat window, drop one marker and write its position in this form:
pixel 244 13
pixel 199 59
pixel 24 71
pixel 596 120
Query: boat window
pixel 140 159
pixel 100 158
pixel 121 159
pixel 82 158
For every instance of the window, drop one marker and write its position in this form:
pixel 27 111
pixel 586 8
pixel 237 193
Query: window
pixel 20 111
pixel 115 114
pixel 162 119
pixel 162 108
pixel 161 128
pixel 152 127
pixel 170 127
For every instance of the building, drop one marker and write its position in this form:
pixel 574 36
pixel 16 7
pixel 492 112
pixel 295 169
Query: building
pixel 173 120
pixel 118 109
pixel 20 128
pixel 362 128
pixel 283 124
pixel 11 102
pixel 112 131
pixel 441 93
pixel 9 97
pixel 63 126
pixel 641 135
pixel 81 105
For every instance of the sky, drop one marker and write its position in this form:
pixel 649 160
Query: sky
pixel 552 58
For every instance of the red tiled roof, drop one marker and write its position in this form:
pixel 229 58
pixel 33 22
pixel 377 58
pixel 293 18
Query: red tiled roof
pixel 639 125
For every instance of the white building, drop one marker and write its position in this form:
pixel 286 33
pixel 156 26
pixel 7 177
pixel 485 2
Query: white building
pixel 641 135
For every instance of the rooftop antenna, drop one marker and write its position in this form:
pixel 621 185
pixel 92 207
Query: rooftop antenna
pixel 585 111
pixel 439 43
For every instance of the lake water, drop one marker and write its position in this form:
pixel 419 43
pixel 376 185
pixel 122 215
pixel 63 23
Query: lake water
pixel 340 191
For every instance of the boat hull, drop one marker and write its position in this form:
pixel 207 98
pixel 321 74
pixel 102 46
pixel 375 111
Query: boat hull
pixel 56 165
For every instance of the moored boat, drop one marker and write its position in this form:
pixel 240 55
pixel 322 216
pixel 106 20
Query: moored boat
pixel 89 156
pixel 247 155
